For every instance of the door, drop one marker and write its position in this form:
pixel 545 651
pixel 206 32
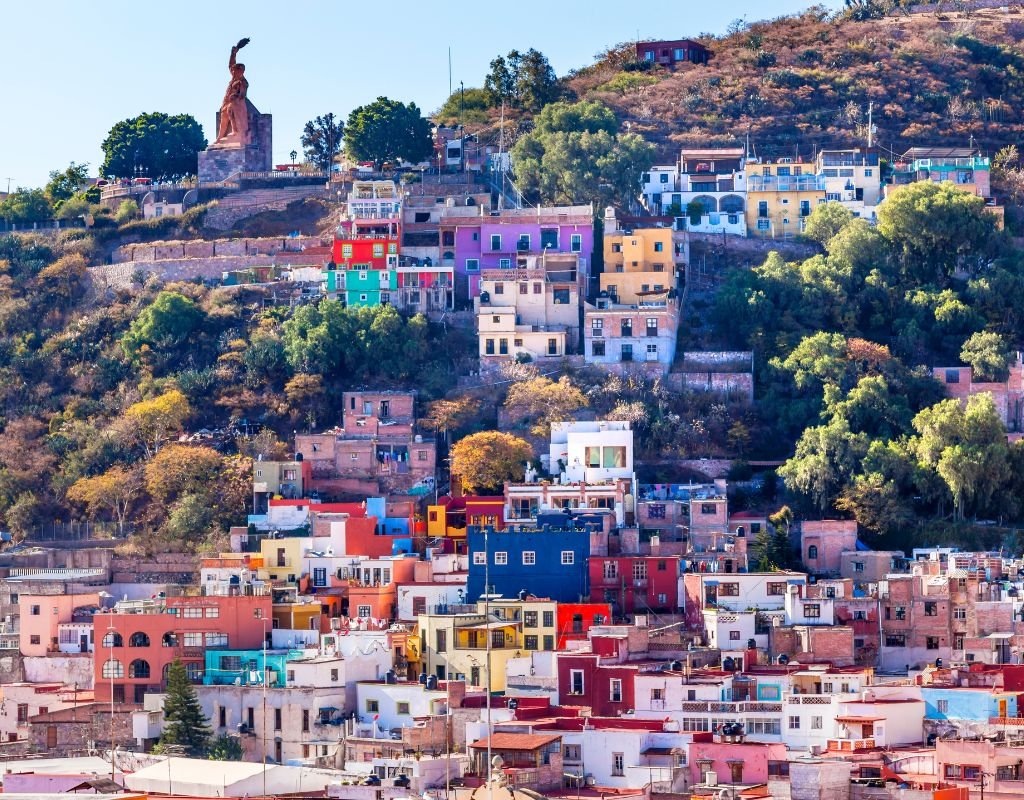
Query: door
pixel 51 737
pixel 1002 708
pixel 83 643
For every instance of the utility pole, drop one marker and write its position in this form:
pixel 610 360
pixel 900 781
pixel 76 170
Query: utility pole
pixel 871 106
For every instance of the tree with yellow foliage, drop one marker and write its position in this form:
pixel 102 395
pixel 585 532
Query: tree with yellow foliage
pixel 485 460
pixel 114 491
pixel 154 420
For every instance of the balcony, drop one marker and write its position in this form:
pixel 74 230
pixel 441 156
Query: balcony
pixel 810 699
pixel 849 745
pixel 796 183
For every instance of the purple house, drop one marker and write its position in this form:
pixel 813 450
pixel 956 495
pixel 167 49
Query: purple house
pixel 473 240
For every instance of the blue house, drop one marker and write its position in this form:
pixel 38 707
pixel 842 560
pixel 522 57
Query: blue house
pixel 547 561
pixel 967 704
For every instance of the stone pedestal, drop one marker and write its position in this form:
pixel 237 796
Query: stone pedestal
pixel 221 160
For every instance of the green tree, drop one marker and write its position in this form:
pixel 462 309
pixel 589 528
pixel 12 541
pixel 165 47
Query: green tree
pixel 825 221
pixel 485 460
pixel 988 355
pixel 226 748
pixel 160 146
pixel 826 458
pixel 388 130
pixel 127 210
pixel 322 139
pixel 575 155
pixel 185 724
pixel 966 447
pixel 165 324
pixel 65 183
pixel 26 205
pixel 522 80
pixel 465 107
pixel 936 227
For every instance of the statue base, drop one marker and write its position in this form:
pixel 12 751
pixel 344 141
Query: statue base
pixel 221 160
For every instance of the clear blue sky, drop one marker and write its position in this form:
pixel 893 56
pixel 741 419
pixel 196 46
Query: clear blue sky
pixel 74 68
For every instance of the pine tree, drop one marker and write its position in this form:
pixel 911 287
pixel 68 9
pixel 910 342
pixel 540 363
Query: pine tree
pixel 185 724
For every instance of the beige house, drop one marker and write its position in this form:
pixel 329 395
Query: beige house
pixel 532 310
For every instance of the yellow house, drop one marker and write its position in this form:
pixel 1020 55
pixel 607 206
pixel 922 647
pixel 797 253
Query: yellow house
pixel 282 558
pixel 781 194
pixel 637 261
pixel 455 644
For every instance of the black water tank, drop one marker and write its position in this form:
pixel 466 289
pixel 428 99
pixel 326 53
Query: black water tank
pixel 729 665
pixel 390 676
pixel 676 666
pixel 431 681
pixel 423 678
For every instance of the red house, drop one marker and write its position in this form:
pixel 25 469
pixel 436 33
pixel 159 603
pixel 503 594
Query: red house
pixel 136 643
pixel 608 689
pixel 668 53
pixel 636 584
pixel 575 619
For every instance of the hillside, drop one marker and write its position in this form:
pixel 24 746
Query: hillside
pixel 805 81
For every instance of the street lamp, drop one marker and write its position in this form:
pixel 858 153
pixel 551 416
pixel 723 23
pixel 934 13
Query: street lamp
pixel 292 155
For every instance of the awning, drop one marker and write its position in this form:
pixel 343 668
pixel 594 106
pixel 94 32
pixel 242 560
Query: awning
pixel 860 719
pixel 488 625
pixel 999 636
pixel 661 751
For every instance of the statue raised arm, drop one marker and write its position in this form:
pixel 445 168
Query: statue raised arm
pixel 234 112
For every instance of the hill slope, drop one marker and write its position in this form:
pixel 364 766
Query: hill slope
pixel 805 81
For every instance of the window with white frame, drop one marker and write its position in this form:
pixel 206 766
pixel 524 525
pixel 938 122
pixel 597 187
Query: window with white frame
pixel 568 557
pixel 479 558
pixel 615 690
pixel 529 558
pixel 501 558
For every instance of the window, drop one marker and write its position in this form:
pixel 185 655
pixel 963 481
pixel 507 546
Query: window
pixel 568 557
pixel 112 639
pixel 549 642
pixel 192 612
pixel 656 511
pixel 334 676
pixel 530 641
pixel 112 668
pixel 618 764
pixel 571 752
pixel 812 552
pixel 610 570
pixel 576 681
pixel 441 640
pixel 319 576
pixel 34 639
pixel 775 588
pixel 472 265
pixel 895 640
pixel 372 707
pixel 277 719
pixel 639 570
pixel 931 609
pixel 402 708
pixel 943 706
pixel 734 636
pixel 931 643
pixel 499 288
pixel 34 611
pixel 627 353
pixel 901 612
pixel 192 639
pixel 812 610
pixel 552 347
pixel 305 720
pixel 576 243
pixel 495 241
pixel 529 619
pixel 762 209
pixel 652 352
pixel 652 326
pixel 615 690
pixel 501 558
pixel 216 640
pixel 505 263
pixel 361 611
pixel 627 327
pixel 548 618
pixel 597 349
pixel 729 590
pixel 794 723
pixel 858 566
pixel 524 242
pixel 816 723
pixel 959 612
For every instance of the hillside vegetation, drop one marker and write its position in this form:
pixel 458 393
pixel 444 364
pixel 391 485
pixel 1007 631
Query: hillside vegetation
pixel 806 80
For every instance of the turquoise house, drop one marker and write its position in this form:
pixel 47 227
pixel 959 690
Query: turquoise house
pixel 246 667
pixel 369 287
pixel 968 704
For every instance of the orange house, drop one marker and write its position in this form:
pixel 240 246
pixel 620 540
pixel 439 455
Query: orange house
pixel 575 619
pixel 138 640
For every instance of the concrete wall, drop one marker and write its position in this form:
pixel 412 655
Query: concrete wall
pixel 68 669
pixel 160 251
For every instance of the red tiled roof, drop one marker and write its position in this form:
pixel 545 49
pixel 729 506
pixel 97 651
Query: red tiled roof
pixel 515 741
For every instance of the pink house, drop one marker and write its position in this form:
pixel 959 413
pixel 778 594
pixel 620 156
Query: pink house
pixel 1008 395
pixel 823 542
pixel 472 242
pixel 41 616
pixel 735 761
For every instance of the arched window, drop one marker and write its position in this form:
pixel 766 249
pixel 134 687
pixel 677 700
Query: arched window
pixel 112 668
pixel 731 204
pixel 709 203
pixel 113 639
pixel 812 551
pixel 138 639
pixel 170 639
pixel 139 668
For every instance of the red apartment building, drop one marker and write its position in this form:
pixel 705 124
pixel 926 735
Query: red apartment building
pixel 636 584
pixel 136 643
pixel 575 619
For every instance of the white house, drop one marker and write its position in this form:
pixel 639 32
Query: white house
pixel 396 705
pixel 593 452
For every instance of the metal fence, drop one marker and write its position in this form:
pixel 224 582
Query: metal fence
pixel 79 531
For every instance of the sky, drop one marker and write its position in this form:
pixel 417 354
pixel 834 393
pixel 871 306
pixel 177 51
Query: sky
pixel 74 69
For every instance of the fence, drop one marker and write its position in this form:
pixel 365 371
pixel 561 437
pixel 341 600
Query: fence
pixel 40 225
pixel 79 531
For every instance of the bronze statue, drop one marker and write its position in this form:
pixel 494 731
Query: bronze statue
pixel 234 112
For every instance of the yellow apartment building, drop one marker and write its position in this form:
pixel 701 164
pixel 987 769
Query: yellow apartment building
pixel 637 261
pixel 781 194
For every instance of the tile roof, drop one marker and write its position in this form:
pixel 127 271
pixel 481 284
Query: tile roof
pixel 515 741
